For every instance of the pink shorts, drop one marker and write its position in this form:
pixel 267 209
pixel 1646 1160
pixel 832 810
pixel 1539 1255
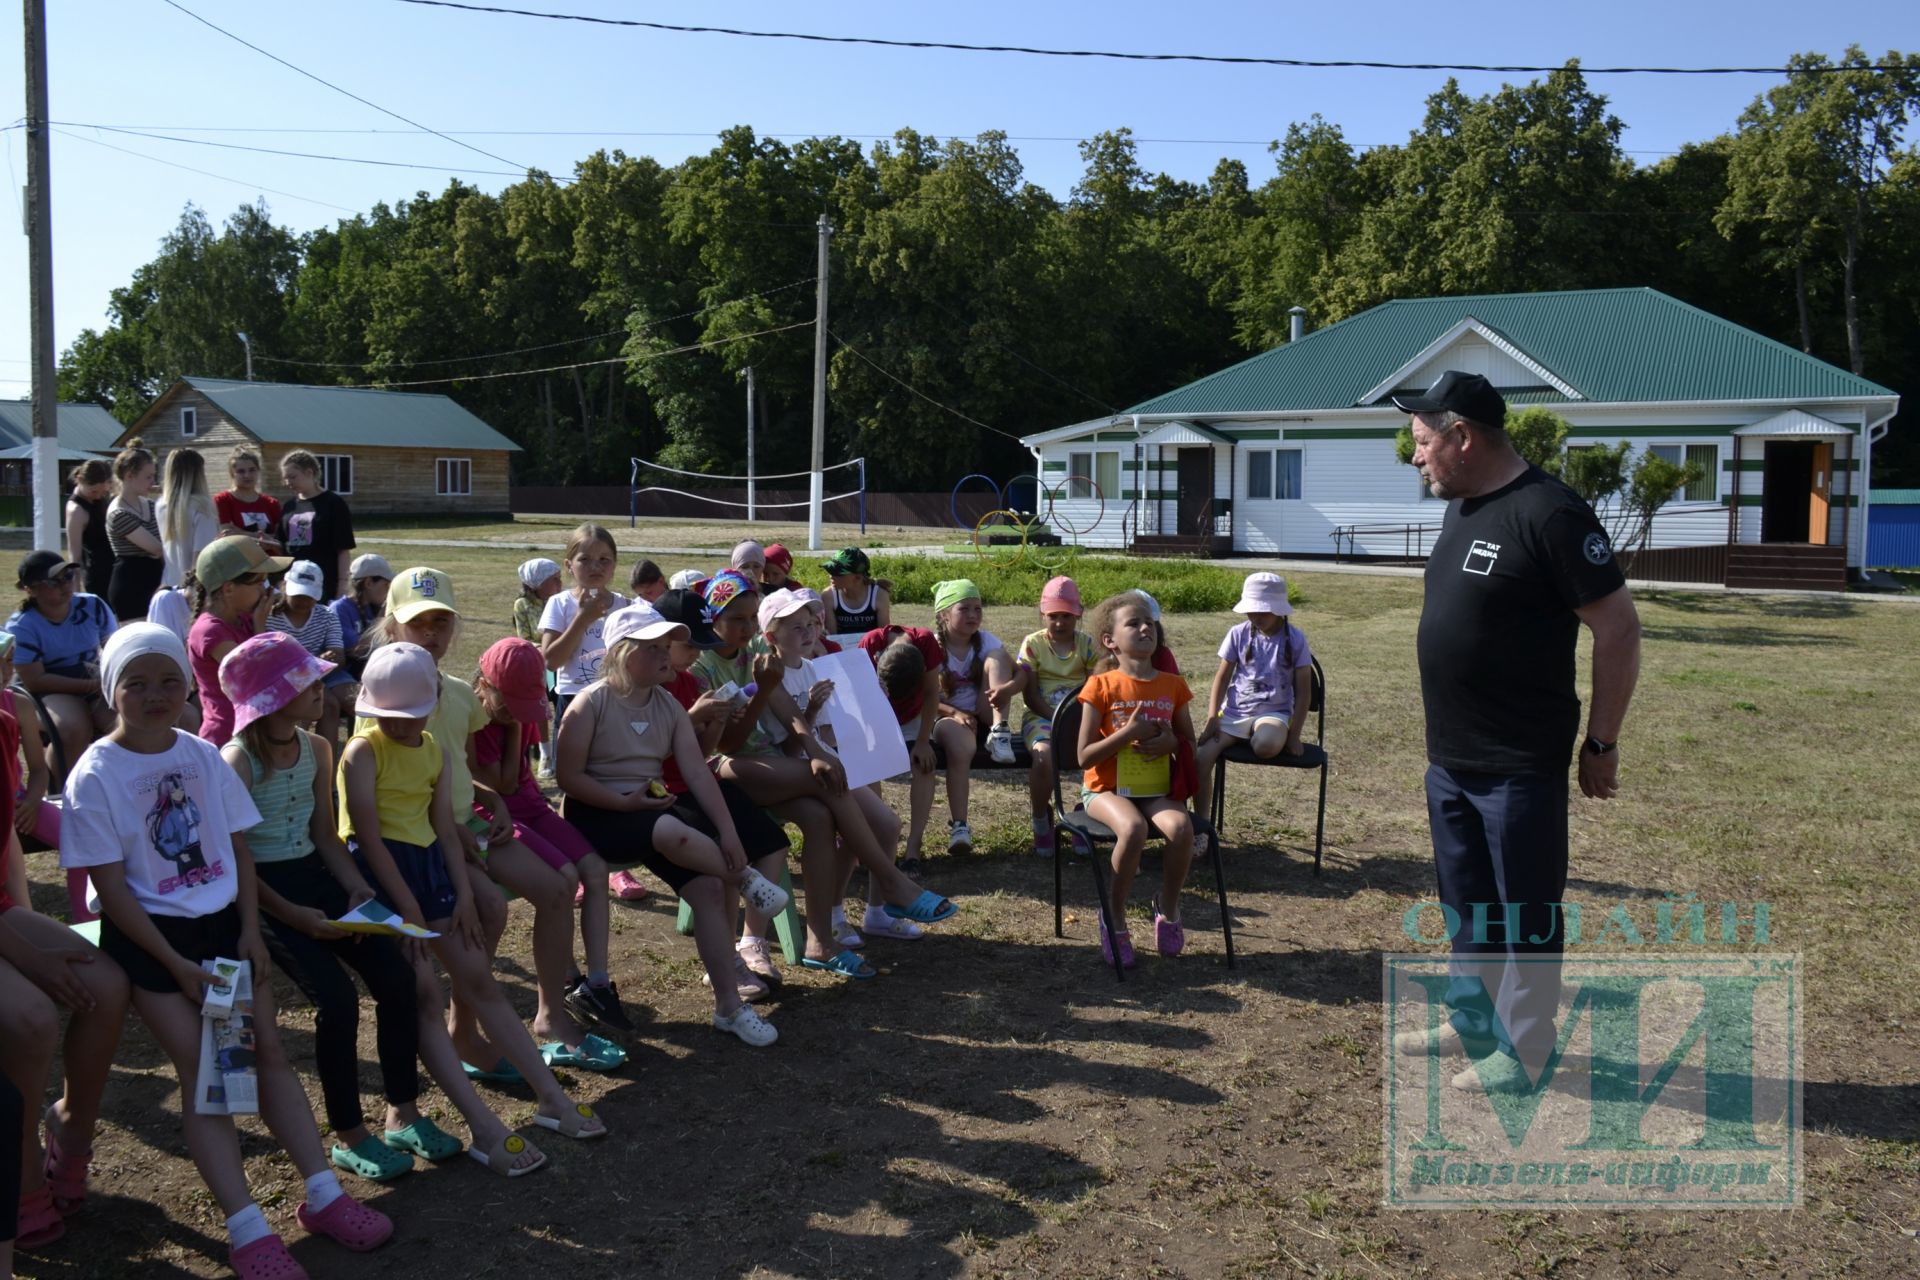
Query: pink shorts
pixel 556 840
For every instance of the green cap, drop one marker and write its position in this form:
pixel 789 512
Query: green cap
pixel 236 556
pixel 952 592
pixel 851 560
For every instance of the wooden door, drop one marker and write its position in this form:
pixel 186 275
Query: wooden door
pixel 1820 495
pixel 1195 514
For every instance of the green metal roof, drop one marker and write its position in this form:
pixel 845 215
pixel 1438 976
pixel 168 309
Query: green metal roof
pixel 284 413
pixel 85 427
pixel 1895 497
pixel 1610 345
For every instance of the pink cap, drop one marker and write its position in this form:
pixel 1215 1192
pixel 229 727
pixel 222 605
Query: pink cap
pixel 400 682
pixel 779 604
pixel 518 674
pixel 266 672
pixel 1060 595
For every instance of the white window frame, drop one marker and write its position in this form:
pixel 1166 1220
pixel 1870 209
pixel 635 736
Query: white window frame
pixel 1080 492
pixel 1268 461
pixel 189 422
pixel 1676 452
pixel 446 471
pixel 331 467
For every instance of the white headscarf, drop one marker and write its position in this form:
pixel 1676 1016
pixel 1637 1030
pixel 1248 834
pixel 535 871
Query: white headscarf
pixel 135 640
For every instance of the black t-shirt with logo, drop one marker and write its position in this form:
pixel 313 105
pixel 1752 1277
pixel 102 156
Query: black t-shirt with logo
pixel 319 529
pixel 1497 631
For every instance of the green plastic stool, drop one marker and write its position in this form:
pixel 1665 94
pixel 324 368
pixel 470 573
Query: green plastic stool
pixel 788 925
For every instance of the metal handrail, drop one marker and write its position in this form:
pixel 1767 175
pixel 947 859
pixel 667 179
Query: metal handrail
pixel 1413 537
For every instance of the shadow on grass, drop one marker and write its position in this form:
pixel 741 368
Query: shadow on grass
pixel 1754 637
pixel 1703 603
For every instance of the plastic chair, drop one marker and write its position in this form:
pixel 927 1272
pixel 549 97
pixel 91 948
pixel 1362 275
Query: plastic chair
pixel 788 925
pixel 1313 755
pixel 1082 831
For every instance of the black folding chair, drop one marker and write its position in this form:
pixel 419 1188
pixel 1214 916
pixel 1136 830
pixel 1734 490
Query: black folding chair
pixel 1313 755
pixel 56 752
pixel 1080 830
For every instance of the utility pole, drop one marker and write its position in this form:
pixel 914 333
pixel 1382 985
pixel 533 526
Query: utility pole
pixel 751 515
pixel 46 390
pixel 248 344
pixel 817 490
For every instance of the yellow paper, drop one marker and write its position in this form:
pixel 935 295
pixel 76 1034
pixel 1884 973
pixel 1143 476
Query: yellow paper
pixel 1137 776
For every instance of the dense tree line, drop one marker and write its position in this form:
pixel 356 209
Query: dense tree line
pixel 1021 311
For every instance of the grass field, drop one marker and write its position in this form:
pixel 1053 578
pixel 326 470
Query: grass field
pixel 995 1105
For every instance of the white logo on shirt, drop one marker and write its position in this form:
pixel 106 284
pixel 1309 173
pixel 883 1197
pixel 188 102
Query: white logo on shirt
pixel 1598 552
pixel 1481 557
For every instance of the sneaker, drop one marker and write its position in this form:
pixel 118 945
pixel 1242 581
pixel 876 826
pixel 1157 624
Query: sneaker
pixel 758 958
pixel 748 1025
pixel 1043 840
pixel 747 984
pixel 881 925
pixel 625 887
pixel 597 1004
pixel 1000 744
pixel 959 838
pixel 1442 1040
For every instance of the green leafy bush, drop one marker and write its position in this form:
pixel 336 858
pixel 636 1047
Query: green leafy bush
pixel 1181 586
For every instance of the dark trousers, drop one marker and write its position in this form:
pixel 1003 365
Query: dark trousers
pixel 13 1129
pixel 319 968
pixel 1500 851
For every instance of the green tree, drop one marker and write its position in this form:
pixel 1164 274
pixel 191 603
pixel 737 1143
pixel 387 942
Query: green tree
pixel 1538 434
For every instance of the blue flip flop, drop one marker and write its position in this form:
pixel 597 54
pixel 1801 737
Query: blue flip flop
pixel 503 1072
pixel 594 1054
pixel 928 908
pixel 844 965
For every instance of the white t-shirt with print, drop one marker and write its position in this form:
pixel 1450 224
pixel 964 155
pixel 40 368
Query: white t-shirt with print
pixel 168 818
pixel 798 682
pixel 583 668
pixel 966 695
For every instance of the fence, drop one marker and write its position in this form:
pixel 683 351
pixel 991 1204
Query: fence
pixel 912 510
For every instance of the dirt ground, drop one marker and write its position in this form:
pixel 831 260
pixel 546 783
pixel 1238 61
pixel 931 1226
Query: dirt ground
pixel 995 1104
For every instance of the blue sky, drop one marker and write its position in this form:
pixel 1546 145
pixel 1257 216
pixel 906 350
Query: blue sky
pixel 544 93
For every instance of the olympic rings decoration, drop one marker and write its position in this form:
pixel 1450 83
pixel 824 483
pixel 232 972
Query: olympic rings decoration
pixel 1033 546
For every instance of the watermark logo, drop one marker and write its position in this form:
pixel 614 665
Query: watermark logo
pixel 1660 1080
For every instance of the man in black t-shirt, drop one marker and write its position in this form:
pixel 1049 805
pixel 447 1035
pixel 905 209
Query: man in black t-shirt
pixel 316 524
pixel 1520 564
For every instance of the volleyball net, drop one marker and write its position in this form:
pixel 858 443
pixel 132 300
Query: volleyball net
pixel 751 506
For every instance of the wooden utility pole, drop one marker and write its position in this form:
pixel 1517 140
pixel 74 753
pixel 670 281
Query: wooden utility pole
pixel 816 496
pixel 46 391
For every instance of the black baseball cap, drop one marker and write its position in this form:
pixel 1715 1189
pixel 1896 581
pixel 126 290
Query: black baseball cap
pixel 1467 394
pixel 43 566
pixel 690 610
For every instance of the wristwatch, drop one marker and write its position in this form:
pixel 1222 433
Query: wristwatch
pixel 1595 747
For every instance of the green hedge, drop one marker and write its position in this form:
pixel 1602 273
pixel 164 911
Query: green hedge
pixel 1180 586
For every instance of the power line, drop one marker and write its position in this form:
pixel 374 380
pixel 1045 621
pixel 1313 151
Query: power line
pixel 336 88
pixel 562 368
pixel 848 346
pixel 205 173
pixel 301 155
pixel 1218 59
pixel 520 351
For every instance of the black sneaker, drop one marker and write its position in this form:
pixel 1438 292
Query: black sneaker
pixel 597 1004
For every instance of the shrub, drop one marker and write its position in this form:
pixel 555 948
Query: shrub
pixel 1181 586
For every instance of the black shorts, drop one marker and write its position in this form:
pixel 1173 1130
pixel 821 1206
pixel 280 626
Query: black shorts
pixel 423 870
pixel 198 938
pixel 626 838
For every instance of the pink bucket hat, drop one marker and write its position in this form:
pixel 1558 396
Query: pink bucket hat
pixel 1264 593
pixel 263 674
pixel 1061 595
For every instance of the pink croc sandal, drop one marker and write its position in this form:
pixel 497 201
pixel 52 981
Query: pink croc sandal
pixel 40 1223
pixel 265 1259
pixel 349 1222
pixel 1169 936
pixel 66 1171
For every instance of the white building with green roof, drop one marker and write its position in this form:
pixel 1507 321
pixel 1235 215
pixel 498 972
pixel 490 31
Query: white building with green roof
pixel 1291 452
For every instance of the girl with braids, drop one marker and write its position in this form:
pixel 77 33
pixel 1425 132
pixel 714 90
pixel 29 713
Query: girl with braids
pixel 1265 676
pixel 977 663
pixel 231 600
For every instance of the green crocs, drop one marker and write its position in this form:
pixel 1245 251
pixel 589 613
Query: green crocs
pixel 425 1139
pixel 372 1160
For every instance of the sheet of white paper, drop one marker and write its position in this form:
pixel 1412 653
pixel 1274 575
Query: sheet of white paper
pixel 867 737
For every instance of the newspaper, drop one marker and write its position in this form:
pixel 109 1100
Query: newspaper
pixel 227 1083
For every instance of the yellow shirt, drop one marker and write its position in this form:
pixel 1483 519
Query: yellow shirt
pixel 457 717
pixel 403 782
